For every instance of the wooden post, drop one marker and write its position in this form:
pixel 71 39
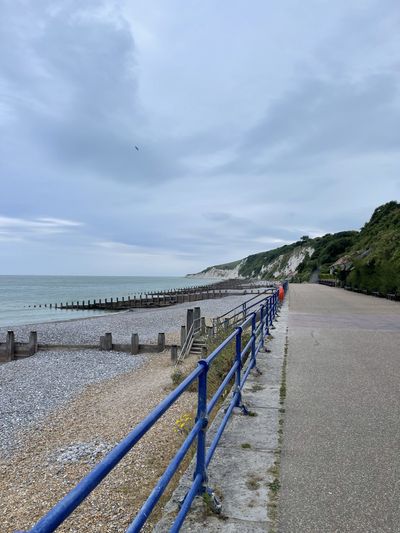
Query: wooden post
pixel 106 342
pixel 174 353
pixel 202 325
pixel 196 318
pixel 161 342
pixel 209 331
pixel 183 335
pixel 189 320
pixel 10 346
pixel 134 344
pixel 32 343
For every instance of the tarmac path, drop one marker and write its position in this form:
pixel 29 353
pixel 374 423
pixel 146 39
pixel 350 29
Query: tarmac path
pixel 340 463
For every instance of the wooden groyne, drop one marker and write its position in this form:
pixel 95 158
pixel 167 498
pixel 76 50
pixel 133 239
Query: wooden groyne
pixel 164 298
pixel 10 350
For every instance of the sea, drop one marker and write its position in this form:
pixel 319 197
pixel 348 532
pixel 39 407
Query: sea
pixel 19 294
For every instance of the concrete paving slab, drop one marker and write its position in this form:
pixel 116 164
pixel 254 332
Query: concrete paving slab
pixel 340 460
pixel 258 431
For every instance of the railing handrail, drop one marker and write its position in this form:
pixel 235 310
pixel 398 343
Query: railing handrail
pixel 245 359
pixel 186 345
pixel 245 309
pixel 268 290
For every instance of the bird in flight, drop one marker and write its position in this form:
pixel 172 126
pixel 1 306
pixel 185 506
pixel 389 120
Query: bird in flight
pixel 136 148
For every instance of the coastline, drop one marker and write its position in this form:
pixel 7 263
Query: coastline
pixel 62 403
pixel 146 322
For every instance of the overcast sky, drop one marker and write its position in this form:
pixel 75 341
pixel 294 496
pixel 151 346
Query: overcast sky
pixel 256 122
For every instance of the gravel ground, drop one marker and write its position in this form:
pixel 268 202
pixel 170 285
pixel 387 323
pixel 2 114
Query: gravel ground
pixel 54 456
pixel 30 388
pixel 146 322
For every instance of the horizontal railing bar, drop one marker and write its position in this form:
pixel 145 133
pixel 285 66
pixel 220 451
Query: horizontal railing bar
pixel 159 489
pixel 219 348
pixel 258 329
pixel 246 348
pixel 190 496
pixel 228 377
pixel 247 321
pixel 267 291
pixel 221 428
pixel 69 503
pixel 245 375
pixel 258 347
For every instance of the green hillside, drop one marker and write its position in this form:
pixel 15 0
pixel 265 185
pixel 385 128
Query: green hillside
pixel 224 266
pixel 366 259
pixel 254 264
pixel 327 250
pixel 374 261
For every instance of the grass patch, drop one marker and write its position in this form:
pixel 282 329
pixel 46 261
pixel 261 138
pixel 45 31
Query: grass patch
pixel 246 445
pixel 253 482
pixel 274 486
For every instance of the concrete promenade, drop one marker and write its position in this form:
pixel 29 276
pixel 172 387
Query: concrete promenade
pixel 340 463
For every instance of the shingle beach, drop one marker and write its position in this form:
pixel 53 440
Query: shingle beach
pixel 30 388
pixel 62 411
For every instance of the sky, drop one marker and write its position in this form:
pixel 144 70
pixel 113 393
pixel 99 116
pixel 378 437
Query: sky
pixel 256 123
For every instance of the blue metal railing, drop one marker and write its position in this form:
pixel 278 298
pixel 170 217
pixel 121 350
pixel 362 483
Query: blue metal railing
pixel 259 322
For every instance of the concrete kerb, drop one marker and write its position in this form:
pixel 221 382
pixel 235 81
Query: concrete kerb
pixel 240 471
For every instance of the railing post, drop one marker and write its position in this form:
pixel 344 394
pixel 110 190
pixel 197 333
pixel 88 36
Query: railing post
pixel 266 317
pixel 253 342
pixel 271 314
pixel 262 325
pixel 238 357
pixel 201 438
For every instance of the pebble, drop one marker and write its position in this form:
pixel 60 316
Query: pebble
pixel 31 388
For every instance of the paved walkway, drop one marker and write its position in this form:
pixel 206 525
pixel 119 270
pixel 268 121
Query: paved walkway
pixel 341 448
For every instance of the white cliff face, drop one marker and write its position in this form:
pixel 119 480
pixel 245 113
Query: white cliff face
pixel 283 266
pixel 290 266
pixel 219 273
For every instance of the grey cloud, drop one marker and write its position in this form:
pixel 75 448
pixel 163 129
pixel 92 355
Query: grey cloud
pixel 77 97
pixel 323 118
